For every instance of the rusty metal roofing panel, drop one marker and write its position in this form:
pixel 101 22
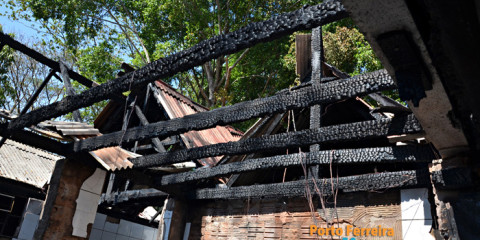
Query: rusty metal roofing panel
pixel 111 158
pixel 176 105
pixel 26 164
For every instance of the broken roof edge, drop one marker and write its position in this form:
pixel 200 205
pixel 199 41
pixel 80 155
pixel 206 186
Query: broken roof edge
pixel 110 158
pixel 174 93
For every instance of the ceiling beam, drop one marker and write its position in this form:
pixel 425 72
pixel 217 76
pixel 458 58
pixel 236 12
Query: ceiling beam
pixel 300 97
pixel 343 132
pixel 254 33
pixel 386 155
pixel 366 182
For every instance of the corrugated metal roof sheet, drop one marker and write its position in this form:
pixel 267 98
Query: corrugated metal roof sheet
pixel 176 105
pixel 111 158
pixel 26 164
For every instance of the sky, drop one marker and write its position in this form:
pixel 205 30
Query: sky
pixel 20 27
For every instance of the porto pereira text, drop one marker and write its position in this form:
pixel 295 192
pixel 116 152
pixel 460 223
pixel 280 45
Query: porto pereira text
pixel 350 230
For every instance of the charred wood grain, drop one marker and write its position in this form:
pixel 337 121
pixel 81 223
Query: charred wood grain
pixel 366 182
pixel 297 98
pixel 305 18
pixel 453 178
pixel 342 156
pixel 344 132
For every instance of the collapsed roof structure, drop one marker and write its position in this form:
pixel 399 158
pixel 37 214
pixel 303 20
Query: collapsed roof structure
pixel 364 151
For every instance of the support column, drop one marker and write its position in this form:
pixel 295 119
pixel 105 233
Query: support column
pixel 61 201
pixel 173 220
pixel 456 197
pixel 316 111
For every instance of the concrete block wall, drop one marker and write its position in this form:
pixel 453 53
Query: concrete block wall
pixel 30 219
pixel 87 202
pixel 123 230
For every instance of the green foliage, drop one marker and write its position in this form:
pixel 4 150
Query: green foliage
pixel 96 36
pixel 98 63
pixel 6 60
pixel 347 49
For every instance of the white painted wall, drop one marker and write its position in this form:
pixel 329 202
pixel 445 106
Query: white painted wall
pixel 124 230
pixel 87 202
pixel 416 214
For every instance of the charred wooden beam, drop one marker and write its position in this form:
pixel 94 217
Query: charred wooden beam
pixel 69 88
pixel 12 43
pixel 254 33
pixel 342 156
pixel 143 120
pixel 132 195
pixel 301 97
pixel 35 140
pixel 31 100
pixel 344 132
pixel 366 182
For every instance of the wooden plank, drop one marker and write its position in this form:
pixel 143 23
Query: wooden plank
pixel 303 54
pixel 77 132
pixel 35 140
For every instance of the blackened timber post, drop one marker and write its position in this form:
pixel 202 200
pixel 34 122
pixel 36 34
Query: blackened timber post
pixel 316 110
pixel 69 88
pixel 129 104
pixel 143 120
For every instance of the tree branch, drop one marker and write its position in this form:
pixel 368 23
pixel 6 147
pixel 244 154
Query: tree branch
pixel 126 35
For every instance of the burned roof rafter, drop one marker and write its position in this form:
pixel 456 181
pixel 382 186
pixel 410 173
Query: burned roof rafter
pixel 254 33
pixel 344 132
pixel 55 66
pixel 400 154
pixel 299 97
pixel 365 182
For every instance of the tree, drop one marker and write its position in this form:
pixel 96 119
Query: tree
pixel 96 35
pixel 146 30
pixel 6 60
pixel 21 76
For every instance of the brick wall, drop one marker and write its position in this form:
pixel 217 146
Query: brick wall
pixel 291 218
